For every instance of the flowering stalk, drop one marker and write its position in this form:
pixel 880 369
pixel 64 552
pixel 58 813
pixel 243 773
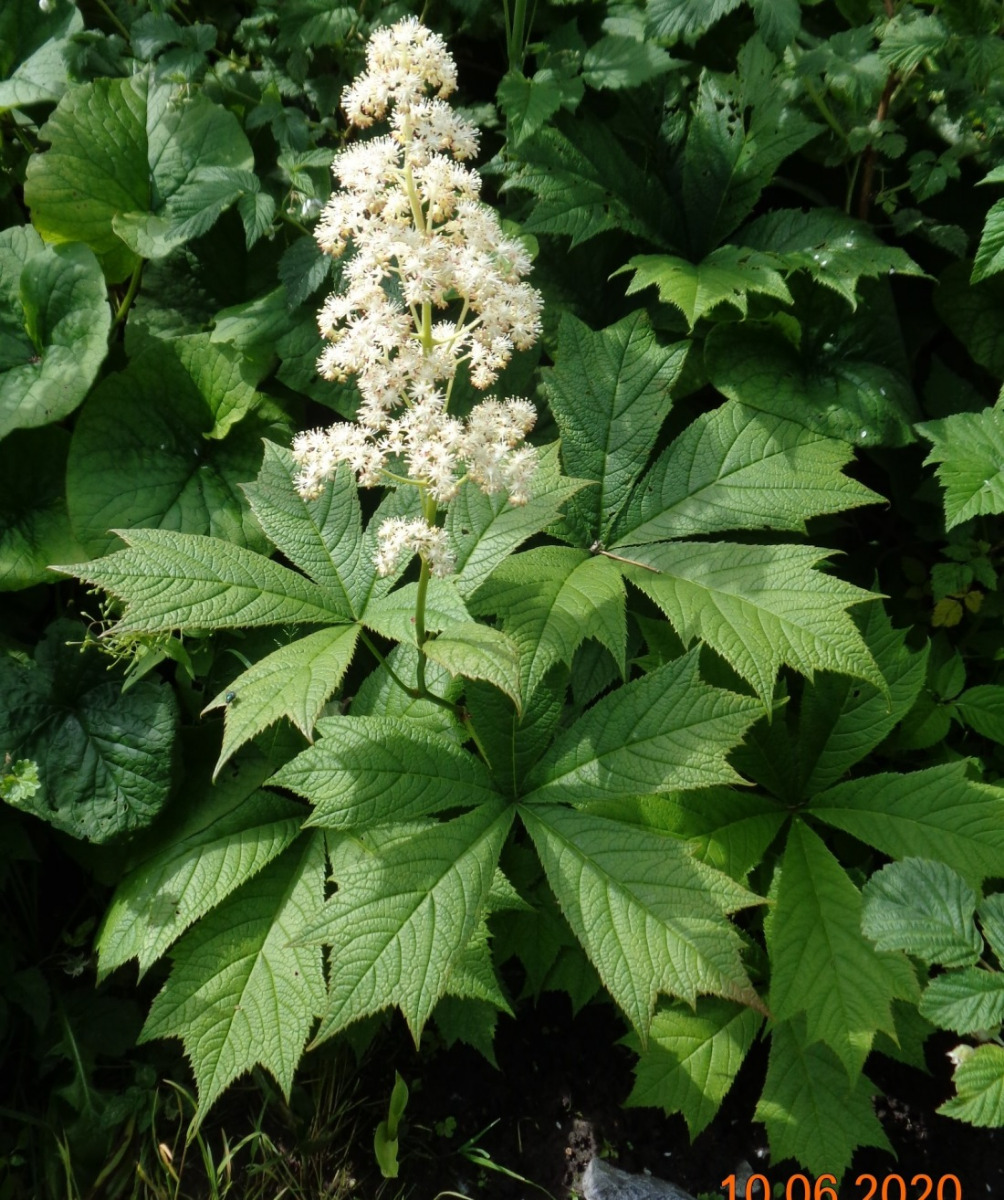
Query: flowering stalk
pixel 421 243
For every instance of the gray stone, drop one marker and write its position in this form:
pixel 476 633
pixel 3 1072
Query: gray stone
pixel 604 1182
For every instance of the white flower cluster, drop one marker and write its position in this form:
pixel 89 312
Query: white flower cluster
pixel 421 241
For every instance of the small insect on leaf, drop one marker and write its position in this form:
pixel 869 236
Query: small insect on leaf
pixel 230 697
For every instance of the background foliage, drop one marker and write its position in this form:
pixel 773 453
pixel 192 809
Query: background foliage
pixel 737 662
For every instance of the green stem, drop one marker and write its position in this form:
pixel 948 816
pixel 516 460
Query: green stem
pixel 468 724
pixel 825 111
pixel 114 19
pixel 123 309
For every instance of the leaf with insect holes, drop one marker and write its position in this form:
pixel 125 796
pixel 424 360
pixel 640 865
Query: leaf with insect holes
pixel 367 770
pixel 403 916
pixel 651 918
pixel 295 682
pixel 241 993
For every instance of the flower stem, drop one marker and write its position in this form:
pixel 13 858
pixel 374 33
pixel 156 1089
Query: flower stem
pixel 123 309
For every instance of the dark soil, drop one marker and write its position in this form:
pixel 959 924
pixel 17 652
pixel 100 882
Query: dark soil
pixel 558 1099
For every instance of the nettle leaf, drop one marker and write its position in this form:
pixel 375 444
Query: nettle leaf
pixel 135 170
pixel 34 524
pixel 53 328
pixel 741 131
pixel 322 537
pixel 692 1058
pixel 618 61
pixel 835 250
pixel 651 918
pixel 103 755
pixel 726 276
pixel 936 813
pixel 240 993
pixel 969 451
pixel 478 652
pixel 170 581
pixel 737 468
pixel 924 908
pixel 979 1086
pixel 609 392
pixel 966 1001
pixel 758 606
pixel 585 184
pixel 824 387
pixel 485 530
pixel 667 730
pixel 165 463
pixel 295 682
pixel 402 917
pixel 842 720
pixel 551 599
pixel 368 770
pixel 225 836
pixel 812 1112
pixel 686 20
pixel 821 963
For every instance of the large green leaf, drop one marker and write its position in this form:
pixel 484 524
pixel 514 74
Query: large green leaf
pixel 968 1001
pixel 835 250
pixel 821 386
pixel 982 709
pixel 148 449
pixel 32 42
pixel 368 770
pixel 812 1112
pixel 551 599
pixel 185 581
pixel 692 1058
pixel 821 963
pixel 842 720
pixel 295 681
pixel 322 537
pixel 989 258
pixel 380 695
pixel 528 103
pixel 687 20
pixel 240 993
pixel 936 813
pixel 54 323
pixel 477 652
pixel 485 530
pixel 34 524
pixel 666 731
pixel 979 1086
pixel 609 392
pixel 969 451
pixel 393 616
pixel 758 606
pixel 619 61
pixel 403 916
pixel 513 741
pixel 103 755
pixel 974 312
pixel 925 908
pixel 224 836
pixel 737 468
pixel 135 169
pixel 727 275
pixel 650 916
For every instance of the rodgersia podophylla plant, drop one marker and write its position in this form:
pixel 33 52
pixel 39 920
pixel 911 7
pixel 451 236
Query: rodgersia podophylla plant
pixel 433 283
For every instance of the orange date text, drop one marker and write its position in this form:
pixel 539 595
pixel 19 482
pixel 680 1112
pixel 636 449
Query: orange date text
pixel 866 1187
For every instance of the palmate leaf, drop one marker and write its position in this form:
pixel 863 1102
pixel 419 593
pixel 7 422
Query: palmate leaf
pixel 551 599
pixel 663 732
pixel 835 250
pixel 925 908
pixel 650 917
pixel 478 652
pixel 726 276
pixel 380 695
pixel 979 1086
pixel 821 963
pixel 295 681
pixel 969 451
pixel 485 530
pixel 224 837
pixel 758 606
pixel 966 1001
pixel 936 813
pixel 610 392
pixel 512 740
pixel 240 993
pixel 393 616
pixel 402 917
pixel 842 720
pixel 173 581
pixel 368 770
pixel 812 1112
pixel 737 468
pixel 692 1058
pixel 135 171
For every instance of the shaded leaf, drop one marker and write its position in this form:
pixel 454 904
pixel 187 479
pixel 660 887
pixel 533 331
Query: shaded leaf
pixel 968 449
